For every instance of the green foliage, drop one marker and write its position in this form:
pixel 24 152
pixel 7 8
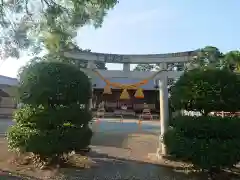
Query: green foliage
pixel 48 133
pixel 207 57
pixel 79 63
pixel 60 84
pixel 231 61
pixel 206 91
pixel 55 117
pixel 37 24
pixel 207 142
pixel 144 67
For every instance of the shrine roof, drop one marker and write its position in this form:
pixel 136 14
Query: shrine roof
pixel 8 81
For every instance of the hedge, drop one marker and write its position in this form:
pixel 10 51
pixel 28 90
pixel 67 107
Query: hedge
pixel 207 142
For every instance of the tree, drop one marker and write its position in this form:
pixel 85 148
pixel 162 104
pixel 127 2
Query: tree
pixel 207 57
pixel 206 91
pixel 144 67
pixel 33 26
pixel 231 61
pixel 208 142
pixel 55 116
pixel 150 67
pixel 99 65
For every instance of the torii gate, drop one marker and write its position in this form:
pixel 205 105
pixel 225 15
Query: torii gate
pixel 126 60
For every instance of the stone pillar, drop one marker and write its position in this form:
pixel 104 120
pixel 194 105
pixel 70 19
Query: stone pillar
pixel 163 66
pixel 90 100
pixel 90 64
pixel 90 104
pixel 164 109
pixel 126 66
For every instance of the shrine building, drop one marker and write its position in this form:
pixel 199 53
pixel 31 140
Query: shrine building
pixel 120 87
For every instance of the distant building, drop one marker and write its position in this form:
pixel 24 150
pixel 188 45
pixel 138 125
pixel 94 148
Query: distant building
pixel 7 96
pixel 167 62
pixel 7 81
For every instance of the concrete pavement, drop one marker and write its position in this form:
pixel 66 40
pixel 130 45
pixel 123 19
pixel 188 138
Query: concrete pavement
pixel 105 125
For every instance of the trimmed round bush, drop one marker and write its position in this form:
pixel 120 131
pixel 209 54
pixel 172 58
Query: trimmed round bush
pixel 55 117
pixel 206 91
pixel 207 142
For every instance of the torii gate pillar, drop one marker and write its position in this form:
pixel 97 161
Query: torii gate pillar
pixel 164 111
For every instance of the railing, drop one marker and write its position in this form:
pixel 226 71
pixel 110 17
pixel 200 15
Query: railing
pixel 226 114
pixel 222 113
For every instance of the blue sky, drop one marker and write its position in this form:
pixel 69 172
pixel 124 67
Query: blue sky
pixel 159 26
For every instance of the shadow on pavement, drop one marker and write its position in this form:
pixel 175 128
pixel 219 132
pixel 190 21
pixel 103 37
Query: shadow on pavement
pixel 108 167
pixel 6 175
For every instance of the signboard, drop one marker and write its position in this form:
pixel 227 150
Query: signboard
pixel 114 58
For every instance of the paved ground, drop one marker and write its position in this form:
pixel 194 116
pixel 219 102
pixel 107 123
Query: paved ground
pixel 4 124
pixel 120 152
pixel 106 125
pixel 127 126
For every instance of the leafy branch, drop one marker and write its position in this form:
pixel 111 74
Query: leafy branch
pixel 34 25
